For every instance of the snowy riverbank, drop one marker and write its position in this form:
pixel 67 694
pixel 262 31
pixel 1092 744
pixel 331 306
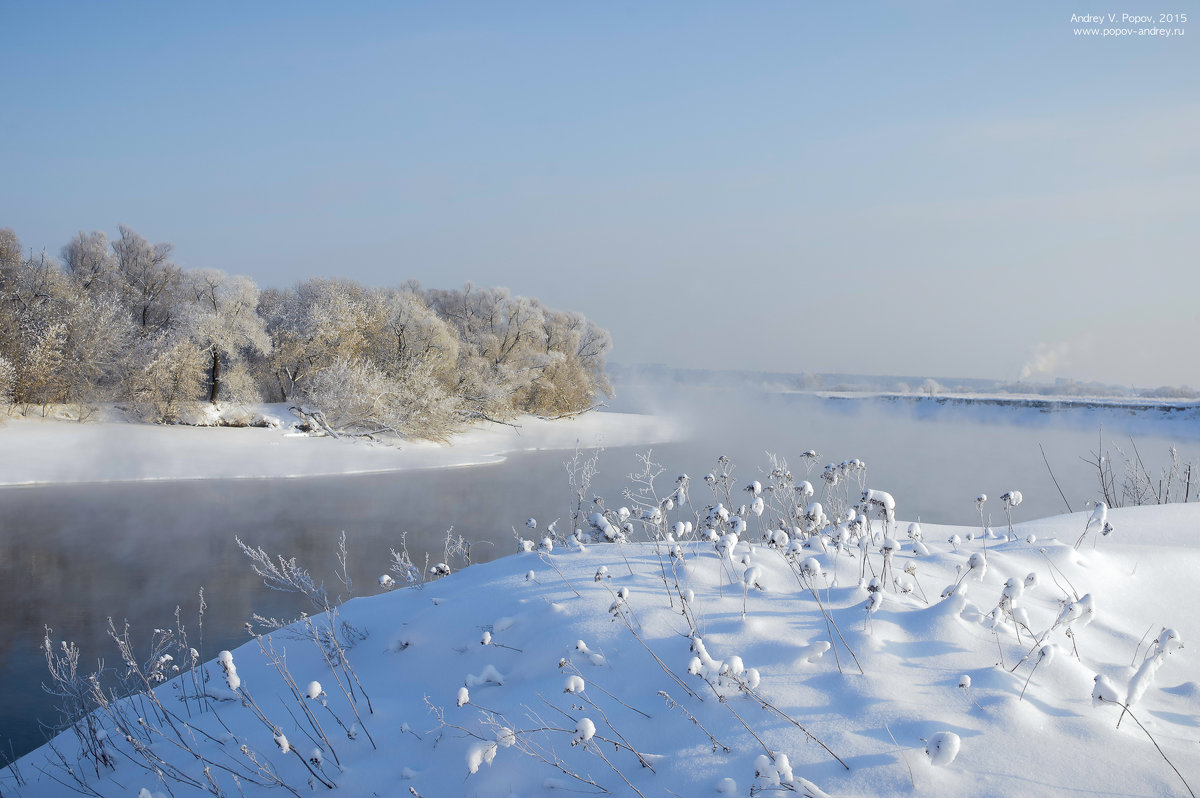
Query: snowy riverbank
pixel 50 451
pixel 545 672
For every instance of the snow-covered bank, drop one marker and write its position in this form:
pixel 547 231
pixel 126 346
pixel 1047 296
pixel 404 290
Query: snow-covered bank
pixel 37 451
pixel 549 672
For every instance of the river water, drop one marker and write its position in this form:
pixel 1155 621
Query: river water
pixel 76 555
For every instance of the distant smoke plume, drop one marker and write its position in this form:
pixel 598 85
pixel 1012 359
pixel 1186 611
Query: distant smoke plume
pixel 1045 360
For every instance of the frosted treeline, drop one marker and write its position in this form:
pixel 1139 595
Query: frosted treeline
pixel 119 321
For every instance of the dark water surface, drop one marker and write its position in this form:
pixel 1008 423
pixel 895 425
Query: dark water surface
pixel 74 555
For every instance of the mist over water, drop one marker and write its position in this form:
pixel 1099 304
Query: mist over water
pixel 75 555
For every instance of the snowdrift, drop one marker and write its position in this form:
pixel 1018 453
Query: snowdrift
pixel 894 659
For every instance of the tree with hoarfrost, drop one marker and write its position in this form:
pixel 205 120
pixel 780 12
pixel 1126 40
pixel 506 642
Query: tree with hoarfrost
pixel 117 320
pixel 149 276
pixel 221 318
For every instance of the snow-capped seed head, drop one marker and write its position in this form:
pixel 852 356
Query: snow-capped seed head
pixel 784 766
pixel 914 531
pixel 754 488
pixel 954 540
pixel 1087 612
pixel 581 647
pixel 765 771
pixel 1012 498
pixel 623 513
pixel 281 740
pixel 464 697
pixel 981 498
pixel 531 523
pixel 505 737
pixel 530 577
pixel 942 748
pixel 386 581
pixel 313 690
pixel 964 681
pixel 623 593
pixel 752 678
pixel 1168 641
pixel 316 757
pixel 574 684
pixel 1046 652
pixel 486 638
pixel 584 731
pixel 232 679
pixel 977 561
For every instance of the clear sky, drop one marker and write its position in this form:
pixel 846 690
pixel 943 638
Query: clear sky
pixel 918 188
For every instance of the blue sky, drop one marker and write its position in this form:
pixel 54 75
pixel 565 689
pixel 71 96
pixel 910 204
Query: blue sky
pixel 930 188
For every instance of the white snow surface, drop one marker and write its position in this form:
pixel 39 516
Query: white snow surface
pixel 915 658
pixel 34 450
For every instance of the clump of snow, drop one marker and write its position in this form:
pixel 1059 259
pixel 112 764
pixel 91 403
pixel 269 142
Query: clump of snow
pixel 584 731
pixel 225 658
pixel 942 748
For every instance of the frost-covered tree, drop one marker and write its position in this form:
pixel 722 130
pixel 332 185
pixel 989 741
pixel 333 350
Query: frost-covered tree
pixel 359 397
pixel 92 264
pixel 101 344
pixel 313 326
pixel 8 381
pixel 169 377
pixel 572 375
pixel 10 252
pixel 149 276
pixel 221 319
pixel 119 319
pixel 412 335
pixel 43 370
